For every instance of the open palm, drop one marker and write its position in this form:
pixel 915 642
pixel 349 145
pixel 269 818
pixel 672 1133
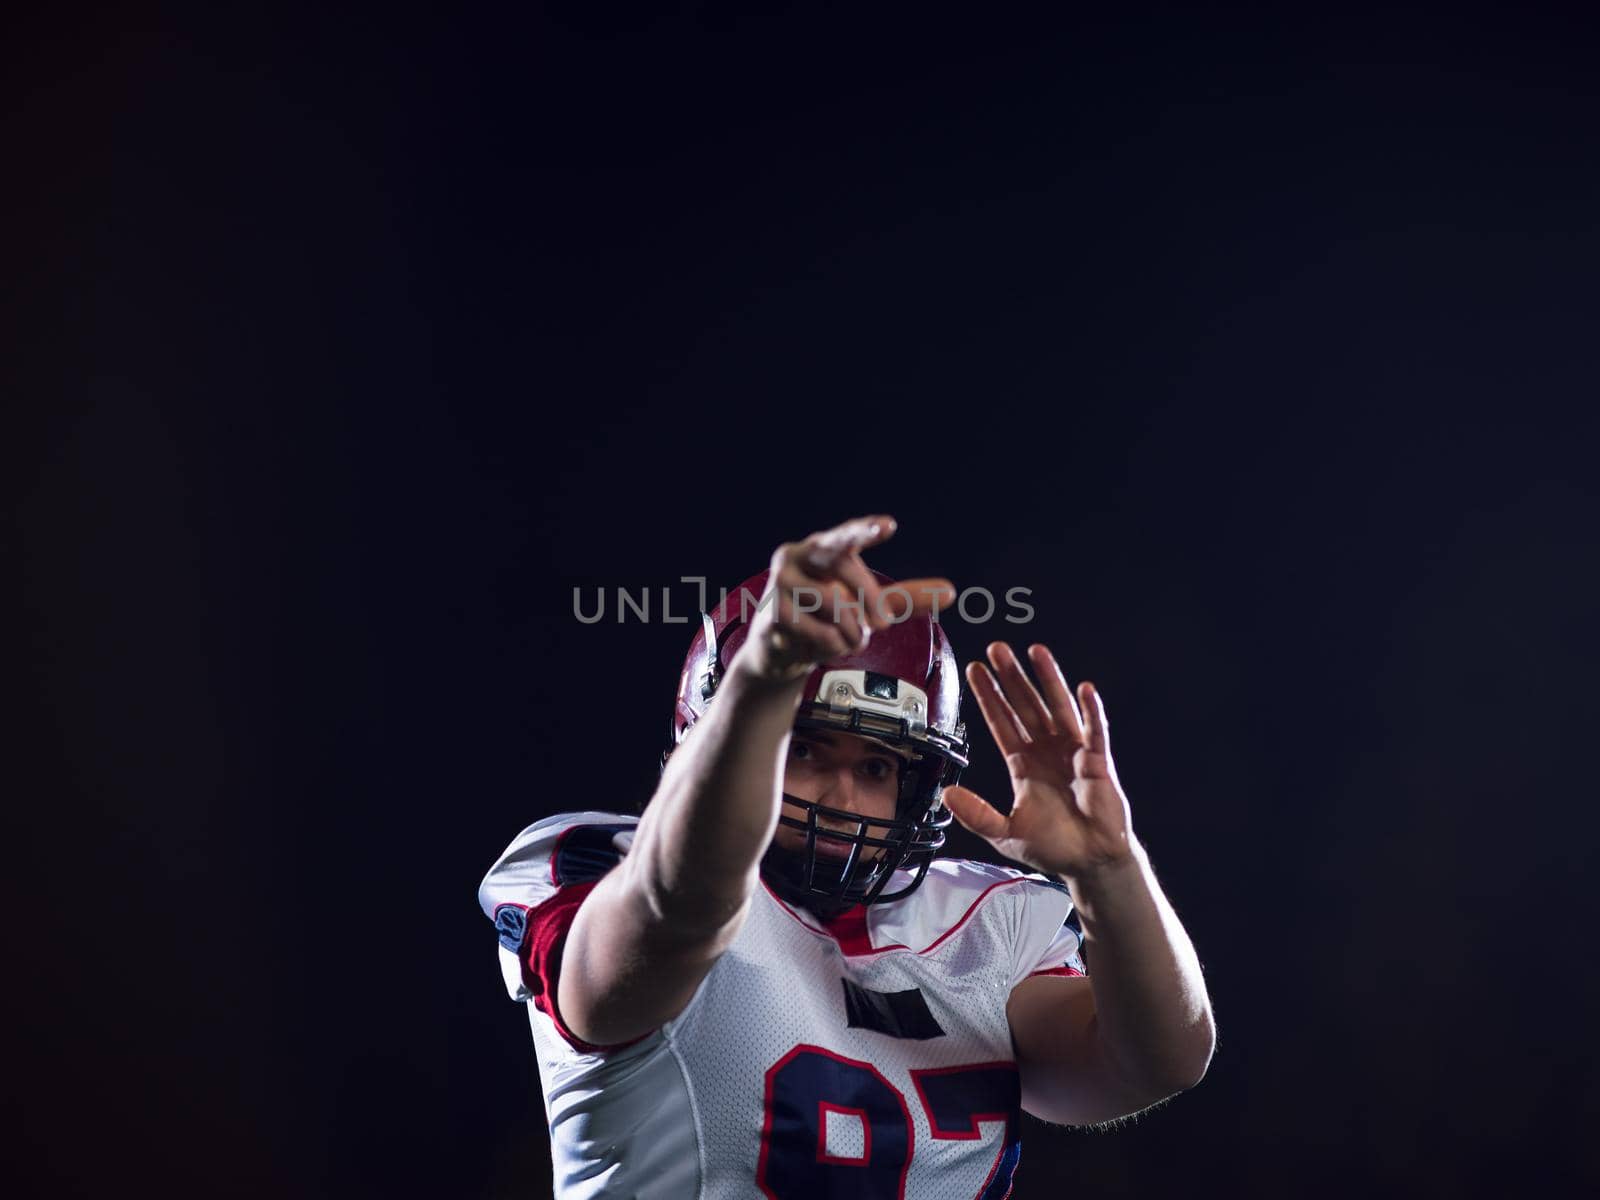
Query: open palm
pixel 1068 812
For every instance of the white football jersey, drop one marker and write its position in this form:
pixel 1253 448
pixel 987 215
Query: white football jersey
pixel 867 1056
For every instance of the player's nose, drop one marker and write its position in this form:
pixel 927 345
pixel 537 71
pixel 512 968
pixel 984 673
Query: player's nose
pixel 840 790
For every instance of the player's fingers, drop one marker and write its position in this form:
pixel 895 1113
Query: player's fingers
pixel 851 571
pixel 845 609
pixel 1003 724
pixel 823 550
pixel 975 813
pixel 1056 692
pixel 809 640
pixel 807 612
pixel 832 602
pixel 900 600
pixel 1098 737
pixel 1019 689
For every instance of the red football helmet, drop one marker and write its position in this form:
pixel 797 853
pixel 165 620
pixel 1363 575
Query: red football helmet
pixel 904 689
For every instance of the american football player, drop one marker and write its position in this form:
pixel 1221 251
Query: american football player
pixel 770 984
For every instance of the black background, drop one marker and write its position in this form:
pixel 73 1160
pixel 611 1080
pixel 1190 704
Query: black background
pixel 1261 346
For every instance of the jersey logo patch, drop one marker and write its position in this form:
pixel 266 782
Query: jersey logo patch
pixel 898 1014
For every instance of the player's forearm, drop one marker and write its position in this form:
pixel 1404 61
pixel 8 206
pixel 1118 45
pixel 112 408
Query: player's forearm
pixel 1152 1010
pixel 695 857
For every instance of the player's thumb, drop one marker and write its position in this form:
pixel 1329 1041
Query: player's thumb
pixel 974 812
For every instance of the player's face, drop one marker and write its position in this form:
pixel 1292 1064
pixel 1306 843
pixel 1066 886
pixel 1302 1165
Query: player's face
pixel 839 770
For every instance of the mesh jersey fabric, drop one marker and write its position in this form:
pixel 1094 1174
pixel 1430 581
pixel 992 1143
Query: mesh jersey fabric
pixel 865 1056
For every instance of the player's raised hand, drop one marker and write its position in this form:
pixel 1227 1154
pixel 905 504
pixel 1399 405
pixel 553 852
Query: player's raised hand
pixel 1068 813
pixel 827 602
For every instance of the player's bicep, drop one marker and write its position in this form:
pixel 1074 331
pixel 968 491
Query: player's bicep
pixel 620 972
pixel 1065 1073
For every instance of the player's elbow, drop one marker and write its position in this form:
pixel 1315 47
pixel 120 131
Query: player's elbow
pixel 1205 1047
pixel 1182 1079
pixel 1157 1066
pixel 1186 1065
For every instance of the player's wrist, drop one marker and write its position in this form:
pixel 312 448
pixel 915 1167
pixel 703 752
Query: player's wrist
pixel 1106 872
pixel 767 675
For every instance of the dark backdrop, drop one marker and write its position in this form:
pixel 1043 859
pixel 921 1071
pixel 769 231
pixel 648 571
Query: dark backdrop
pixel 1261 347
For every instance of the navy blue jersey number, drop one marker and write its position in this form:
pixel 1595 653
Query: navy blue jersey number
pixel 803 1087
pixel 808 1083
pixel 957 1099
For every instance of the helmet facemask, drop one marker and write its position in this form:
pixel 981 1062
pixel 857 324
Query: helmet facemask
pixel 903 689
pixel 887 858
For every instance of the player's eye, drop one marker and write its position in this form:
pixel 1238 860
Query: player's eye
pixel 878 768
pixel 799 749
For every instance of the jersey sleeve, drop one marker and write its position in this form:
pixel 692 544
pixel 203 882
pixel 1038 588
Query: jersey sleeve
pixel 532 894
pixel 1049 938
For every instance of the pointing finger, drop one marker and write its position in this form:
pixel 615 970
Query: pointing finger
pixel 922 595
pixel 826 548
